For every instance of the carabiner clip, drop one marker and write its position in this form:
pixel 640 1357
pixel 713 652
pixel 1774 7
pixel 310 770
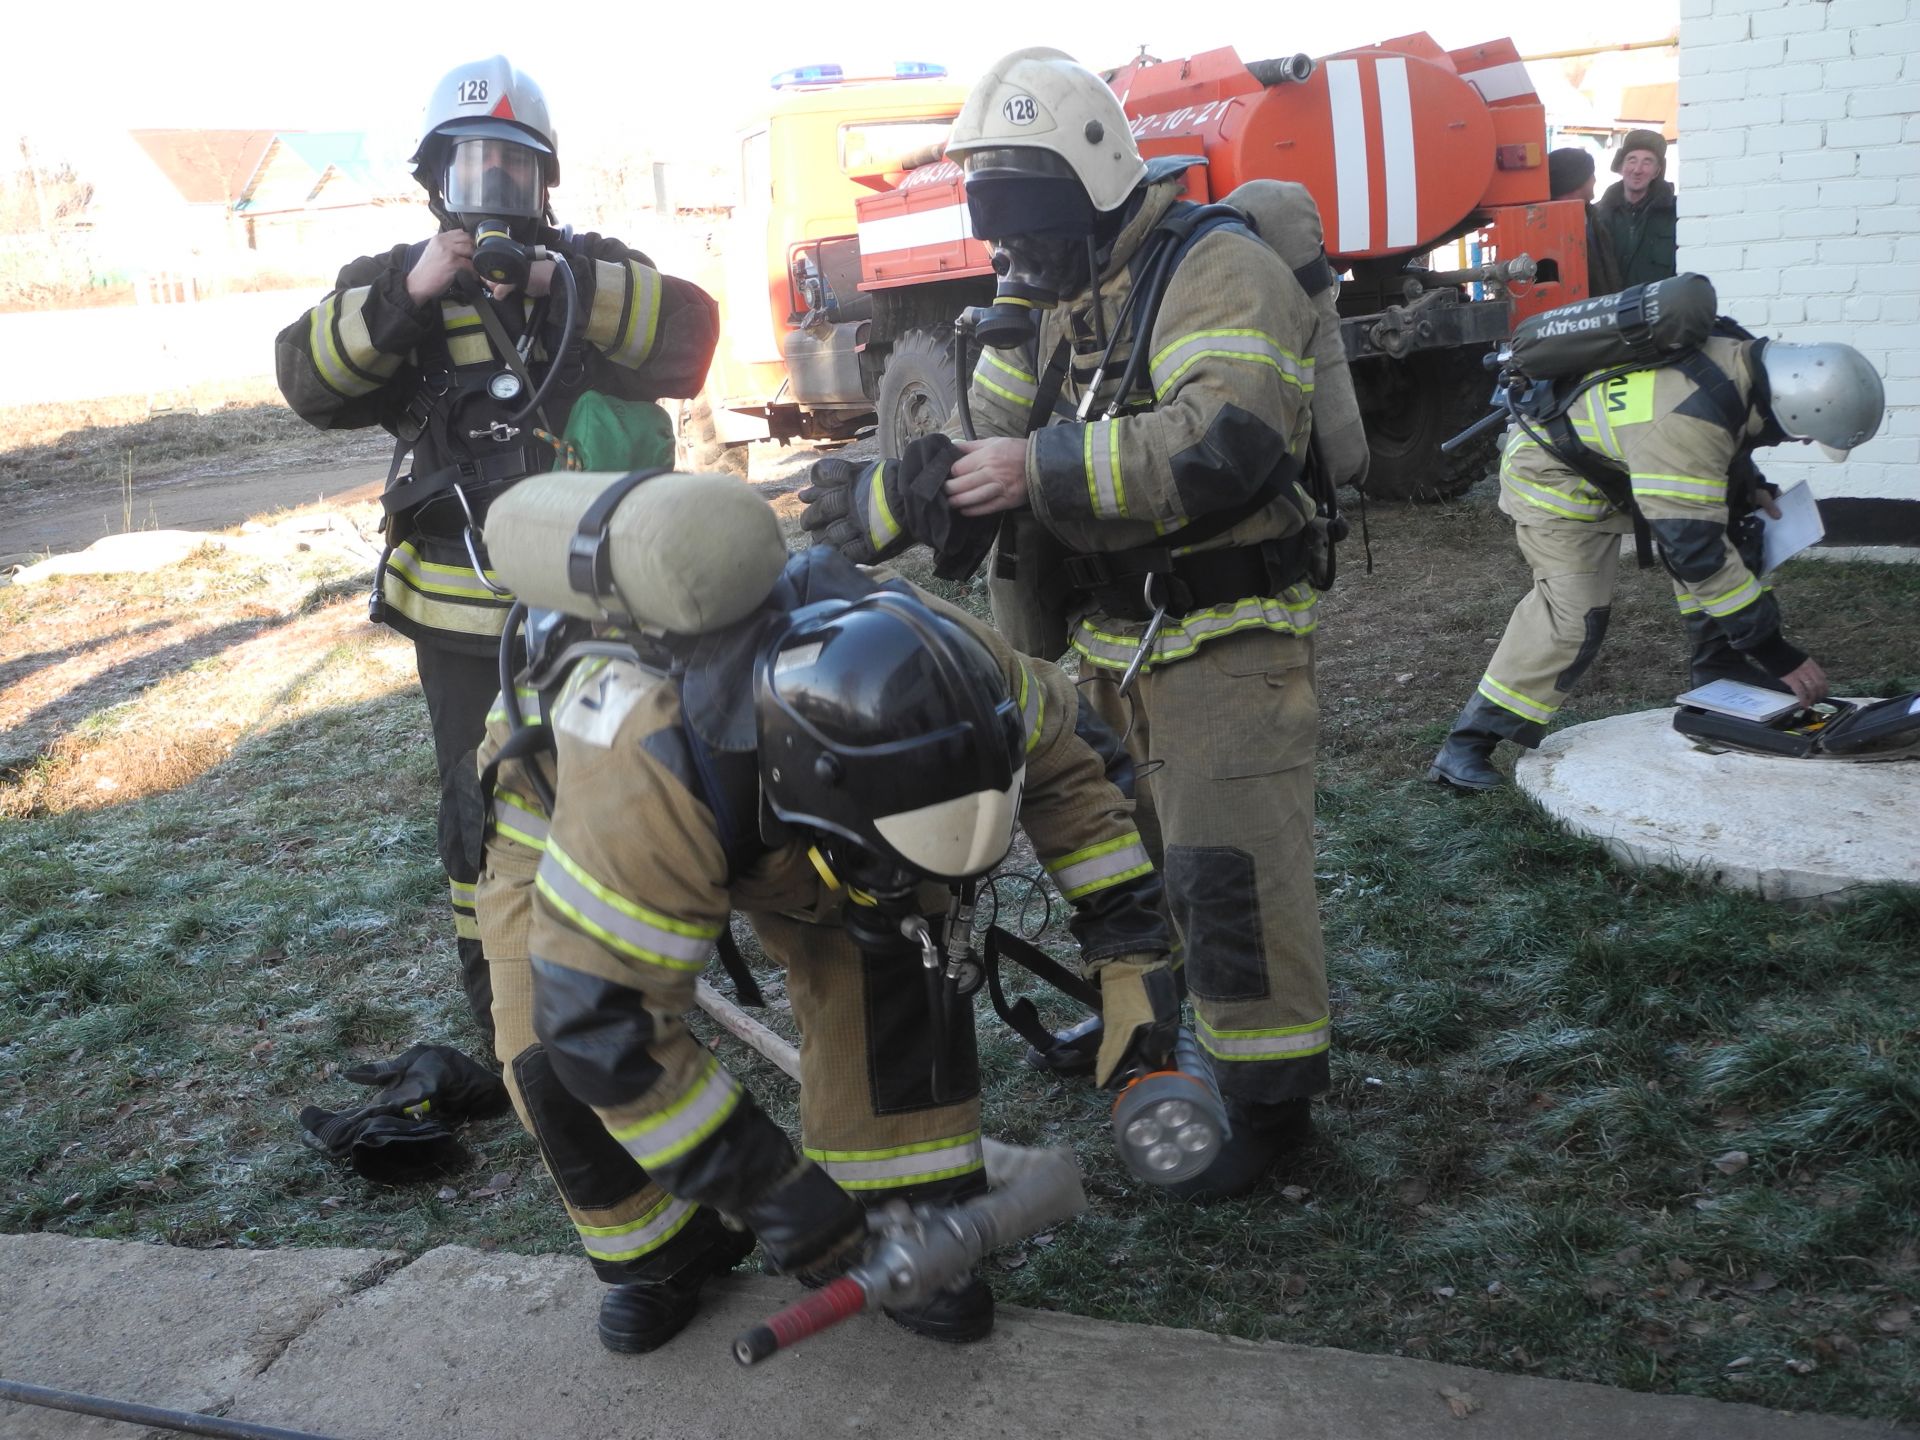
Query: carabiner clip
pixel 1151 634
pixel 914 927
pixel 473 550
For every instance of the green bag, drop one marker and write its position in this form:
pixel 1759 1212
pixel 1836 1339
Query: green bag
pixel 605 432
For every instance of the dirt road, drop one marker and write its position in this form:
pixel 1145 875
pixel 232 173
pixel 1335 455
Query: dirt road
pixel 58 522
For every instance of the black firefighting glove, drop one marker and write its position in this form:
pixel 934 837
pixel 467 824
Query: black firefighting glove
pixel 432 1080
pixel 872 512
pixel 1140 1017
pixel 385 1148
pixel 808 1226
pixel 856 507
pixel 959 542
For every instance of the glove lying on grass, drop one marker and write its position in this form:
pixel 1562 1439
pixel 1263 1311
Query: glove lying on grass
pixel 434 1080
pixel 401 1134
pixel 387 1149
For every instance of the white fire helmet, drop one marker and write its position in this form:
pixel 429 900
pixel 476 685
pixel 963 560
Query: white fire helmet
pixel 484 100
pixel 1041 99
pixel 1828 393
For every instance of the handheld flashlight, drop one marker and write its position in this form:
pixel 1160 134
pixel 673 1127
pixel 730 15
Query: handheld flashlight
pixel 1170 1124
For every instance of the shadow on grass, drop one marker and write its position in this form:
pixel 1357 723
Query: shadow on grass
pixel 135 673
pixel 18 668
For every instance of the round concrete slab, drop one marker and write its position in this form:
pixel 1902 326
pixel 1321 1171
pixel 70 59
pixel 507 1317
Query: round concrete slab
pixel 1790 829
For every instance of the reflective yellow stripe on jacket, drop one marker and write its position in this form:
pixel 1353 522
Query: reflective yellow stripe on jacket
pixel 517 819
pixel 441 597
pixel 1033 706
pixel 622 925
pixel 1012 384
pixel 343 352
pixel 665 1137
pixel 1250 347
pixel 1113 862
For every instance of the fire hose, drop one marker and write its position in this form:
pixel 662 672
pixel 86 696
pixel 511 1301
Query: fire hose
pixel 185 1422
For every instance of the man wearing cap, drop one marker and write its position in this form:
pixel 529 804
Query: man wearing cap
pixel 1638 213
pixel 1570 177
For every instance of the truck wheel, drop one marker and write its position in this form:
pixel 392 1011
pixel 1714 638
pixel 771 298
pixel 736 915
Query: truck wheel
pixel 916 389
pixel 697 447
pixel 1410 406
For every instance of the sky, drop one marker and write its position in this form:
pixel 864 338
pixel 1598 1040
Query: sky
pixel 644 77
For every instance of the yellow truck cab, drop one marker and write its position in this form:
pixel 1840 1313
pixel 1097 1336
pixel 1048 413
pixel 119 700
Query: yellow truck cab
pixel 799 354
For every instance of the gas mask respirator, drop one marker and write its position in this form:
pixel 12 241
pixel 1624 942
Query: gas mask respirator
pixel 496 190
pixel 1035 214
pixel 1034 272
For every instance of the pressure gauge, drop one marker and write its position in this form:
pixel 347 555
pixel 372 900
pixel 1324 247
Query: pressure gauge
pixel 504 386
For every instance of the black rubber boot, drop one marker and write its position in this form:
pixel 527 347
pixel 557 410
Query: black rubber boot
pixel 644 1315
pixel 1262 1135
pixel 1464 762
pixel 955 1316
pixel 1073 1050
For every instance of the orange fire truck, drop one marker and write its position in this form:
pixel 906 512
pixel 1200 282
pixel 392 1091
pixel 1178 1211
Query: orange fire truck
pixel 851 254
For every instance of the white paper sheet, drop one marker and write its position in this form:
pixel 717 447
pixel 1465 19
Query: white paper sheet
pixel 1741 701
pixel 1798 527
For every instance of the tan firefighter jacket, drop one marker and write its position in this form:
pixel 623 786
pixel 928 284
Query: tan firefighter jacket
pixel 624 891
pixel 1678 445
pixel 1224 398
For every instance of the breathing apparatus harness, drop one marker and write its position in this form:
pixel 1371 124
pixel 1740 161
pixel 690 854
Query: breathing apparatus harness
pixel 1539 406
pixel 1168 583
pixel 452 399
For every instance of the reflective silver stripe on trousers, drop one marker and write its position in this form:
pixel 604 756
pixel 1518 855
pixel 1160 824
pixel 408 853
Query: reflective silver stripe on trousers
pixel 905 1169
pixel 666 1137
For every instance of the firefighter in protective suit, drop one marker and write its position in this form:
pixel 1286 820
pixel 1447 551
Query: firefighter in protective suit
pixel 1160 518
pixel 413 341
pixel 1674 445
pixel 826 756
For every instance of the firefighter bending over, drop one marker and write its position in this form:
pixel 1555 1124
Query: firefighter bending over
pixel 836 759
pixel 1671 448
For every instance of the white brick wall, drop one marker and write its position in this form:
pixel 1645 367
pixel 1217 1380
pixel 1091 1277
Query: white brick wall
pixel 1801 199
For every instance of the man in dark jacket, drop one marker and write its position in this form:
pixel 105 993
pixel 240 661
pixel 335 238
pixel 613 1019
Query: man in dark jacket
pixel 414 341
pixel 1638 213
pixel 1570 177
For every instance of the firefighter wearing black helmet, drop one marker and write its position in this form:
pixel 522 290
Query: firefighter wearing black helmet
pixel 415 342
pixel 827 764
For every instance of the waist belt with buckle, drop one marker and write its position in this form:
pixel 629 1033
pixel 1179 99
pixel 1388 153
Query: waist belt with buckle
pixel 481 478
pixel 1116 580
